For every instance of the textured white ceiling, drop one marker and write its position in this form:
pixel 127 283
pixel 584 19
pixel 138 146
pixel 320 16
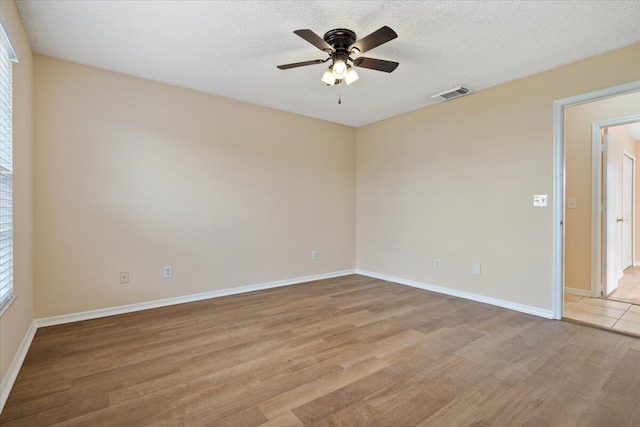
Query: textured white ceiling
pixel 231 48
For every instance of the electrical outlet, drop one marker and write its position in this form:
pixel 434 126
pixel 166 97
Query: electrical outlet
pixel 124 277
pixel 436 263
pixel 477 268
pixel 314 255
pixel 168 272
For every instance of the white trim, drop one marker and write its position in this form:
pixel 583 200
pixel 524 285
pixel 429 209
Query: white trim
pixel 5 34
pixel 576 291
pixel 633 200
pixel 558 208
pixel 112 311
pixel 597 200
pixel 10 377
pixel 5 305
pixel 559 181
pixel 636 263
pixel 548 314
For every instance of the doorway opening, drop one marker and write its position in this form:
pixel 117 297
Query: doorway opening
pixel 613 150
pixel 599 221
pixel 623 282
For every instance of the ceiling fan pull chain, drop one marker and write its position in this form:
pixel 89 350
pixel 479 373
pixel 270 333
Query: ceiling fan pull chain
pixel 339 99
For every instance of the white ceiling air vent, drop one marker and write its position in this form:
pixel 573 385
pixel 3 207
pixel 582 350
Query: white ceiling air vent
pixel 451 93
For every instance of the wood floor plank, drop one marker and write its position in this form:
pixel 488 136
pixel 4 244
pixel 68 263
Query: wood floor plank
pixel 309 391
pixel 285 420
pixel 349 351
pixel 359 390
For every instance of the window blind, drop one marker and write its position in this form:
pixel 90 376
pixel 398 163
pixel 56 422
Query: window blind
pixel 7 56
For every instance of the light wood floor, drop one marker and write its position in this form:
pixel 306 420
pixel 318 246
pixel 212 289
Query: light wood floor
pixel 351 351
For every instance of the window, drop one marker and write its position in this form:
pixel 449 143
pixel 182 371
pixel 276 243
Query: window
pixel 7 57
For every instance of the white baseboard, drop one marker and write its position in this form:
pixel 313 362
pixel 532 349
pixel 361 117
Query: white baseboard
pixel 7 382
pixel 112 311
pixel 636 263
pixel 12 373
pixel 576 291
pixel 14 369
pixel 548 314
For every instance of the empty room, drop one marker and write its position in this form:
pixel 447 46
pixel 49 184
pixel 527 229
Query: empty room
pixel 327 213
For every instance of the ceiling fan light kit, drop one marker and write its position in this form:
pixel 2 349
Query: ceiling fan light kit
pixel 342 45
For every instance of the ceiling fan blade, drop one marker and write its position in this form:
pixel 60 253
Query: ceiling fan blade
pixel 302 64
pixel 376 64
pixel 374 39
pixel 315 40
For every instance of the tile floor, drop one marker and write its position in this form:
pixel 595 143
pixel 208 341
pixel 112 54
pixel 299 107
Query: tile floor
pixel 616 315
pixel 628 287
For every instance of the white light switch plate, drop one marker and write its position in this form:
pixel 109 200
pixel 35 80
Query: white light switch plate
pixel 572 203
pixel 541 200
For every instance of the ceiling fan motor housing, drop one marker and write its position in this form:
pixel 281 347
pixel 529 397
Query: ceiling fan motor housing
pixel 340 39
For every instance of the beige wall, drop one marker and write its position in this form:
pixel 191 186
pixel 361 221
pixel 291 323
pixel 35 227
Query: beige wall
pixel 135 175
pixel 456 180
pixel 16 320
pixel 578 123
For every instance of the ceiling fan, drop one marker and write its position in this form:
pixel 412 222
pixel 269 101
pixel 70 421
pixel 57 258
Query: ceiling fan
pixel 341 46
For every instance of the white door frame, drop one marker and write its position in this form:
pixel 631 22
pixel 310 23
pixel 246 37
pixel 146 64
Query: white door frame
pixel 597 198
pixel 559 107
pixel 633 203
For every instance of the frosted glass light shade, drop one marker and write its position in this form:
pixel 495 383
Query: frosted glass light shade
pixel 351 76
pixel 339 69
pixel 328 77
